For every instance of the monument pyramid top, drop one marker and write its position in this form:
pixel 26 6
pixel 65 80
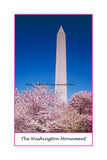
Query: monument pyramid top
pixel 61 30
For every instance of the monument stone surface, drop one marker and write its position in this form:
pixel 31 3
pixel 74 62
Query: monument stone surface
pixel 61 74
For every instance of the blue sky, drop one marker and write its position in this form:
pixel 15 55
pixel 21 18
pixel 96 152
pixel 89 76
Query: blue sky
pixel 35 50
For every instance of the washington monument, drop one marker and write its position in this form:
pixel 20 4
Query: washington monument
pixel 60 75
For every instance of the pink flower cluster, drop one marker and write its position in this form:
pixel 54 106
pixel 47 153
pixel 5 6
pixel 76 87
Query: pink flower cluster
pixel 40 110
pixel 82 101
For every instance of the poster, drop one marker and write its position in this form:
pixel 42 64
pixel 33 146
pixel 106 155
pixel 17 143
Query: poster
pixel 53 99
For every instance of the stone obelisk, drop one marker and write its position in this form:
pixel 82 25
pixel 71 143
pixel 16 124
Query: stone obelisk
pixel 61 77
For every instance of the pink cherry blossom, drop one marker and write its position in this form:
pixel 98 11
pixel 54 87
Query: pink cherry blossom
pixel 40 110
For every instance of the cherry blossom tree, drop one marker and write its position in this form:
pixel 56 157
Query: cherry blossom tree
pixel 82 101
pixel 40 110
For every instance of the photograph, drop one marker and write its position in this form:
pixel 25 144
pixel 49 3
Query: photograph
pixel 53 73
